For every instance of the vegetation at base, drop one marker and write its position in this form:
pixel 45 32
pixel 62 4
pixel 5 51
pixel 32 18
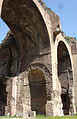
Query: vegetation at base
pixel 44 117
pixel 11 117
pixel 57 117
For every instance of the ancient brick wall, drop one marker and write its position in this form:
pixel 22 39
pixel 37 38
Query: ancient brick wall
pixel 32 68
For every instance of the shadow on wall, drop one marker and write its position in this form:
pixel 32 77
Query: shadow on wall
pixel 37 85
pixel 65 77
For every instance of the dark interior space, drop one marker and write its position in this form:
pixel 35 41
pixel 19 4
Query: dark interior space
pixel 65 76
pixel 66 103
pixel 38 91
pixel 3 97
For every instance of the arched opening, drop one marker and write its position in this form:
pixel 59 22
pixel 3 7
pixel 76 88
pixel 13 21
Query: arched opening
pixel 65 77
pixel 32 39
pixel 37 85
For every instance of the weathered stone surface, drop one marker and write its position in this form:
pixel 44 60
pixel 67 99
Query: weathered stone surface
pixel 35 62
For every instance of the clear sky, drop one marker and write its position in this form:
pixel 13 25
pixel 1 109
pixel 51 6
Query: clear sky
pixel 67 11
pixel 3 30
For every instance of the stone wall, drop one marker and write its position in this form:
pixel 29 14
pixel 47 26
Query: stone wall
pixel 37 75
pixel 20 66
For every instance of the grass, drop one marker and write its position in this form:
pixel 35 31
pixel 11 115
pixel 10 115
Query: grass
pixel 44 117
pixel 62 117
pixel 11 117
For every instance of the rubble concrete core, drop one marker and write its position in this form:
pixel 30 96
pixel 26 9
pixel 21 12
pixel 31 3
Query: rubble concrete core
pixel 37 71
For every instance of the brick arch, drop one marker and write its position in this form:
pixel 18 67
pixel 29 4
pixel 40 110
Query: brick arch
pixel 65 73
pixel 47 75
pixel 32 27
pixel 27 18
pixel 27 95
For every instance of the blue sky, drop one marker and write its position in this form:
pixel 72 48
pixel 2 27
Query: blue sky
pixel 3 30
pixel 67 11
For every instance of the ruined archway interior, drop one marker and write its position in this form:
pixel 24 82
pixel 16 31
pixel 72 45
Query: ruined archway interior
pixel 65 77
pixel 31 46
pixel 37 85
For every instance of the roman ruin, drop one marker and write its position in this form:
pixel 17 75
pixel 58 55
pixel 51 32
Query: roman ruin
pixel 37 64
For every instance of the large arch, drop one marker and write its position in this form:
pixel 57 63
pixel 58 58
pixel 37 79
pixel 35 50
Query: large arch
pixel 65 74
pixel 65 77
pixel 32 27
pixel 22 17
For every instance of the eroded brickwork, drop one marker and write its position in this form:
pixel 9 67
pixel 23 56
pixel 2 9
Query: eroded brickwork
pixel 36 68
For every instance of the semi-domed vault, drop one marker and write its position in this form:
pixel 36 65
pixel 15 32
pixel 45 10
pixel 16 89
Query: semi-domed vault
pixel 36 62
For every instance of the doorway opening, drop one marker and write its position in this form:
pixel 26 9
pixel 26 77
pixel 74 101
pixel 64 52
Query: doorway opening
pixel 65 76
pixel 37 85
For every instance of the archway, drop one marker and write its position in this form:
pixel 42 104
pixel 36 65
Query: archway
pixel 37 85
pixel 65 77
pixel 22 17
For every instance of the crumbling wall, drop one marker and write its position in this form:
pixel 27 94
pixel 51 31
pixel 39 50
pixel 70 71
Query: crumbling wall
pixel 18 66
pixel 8 69
pixel 32 48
